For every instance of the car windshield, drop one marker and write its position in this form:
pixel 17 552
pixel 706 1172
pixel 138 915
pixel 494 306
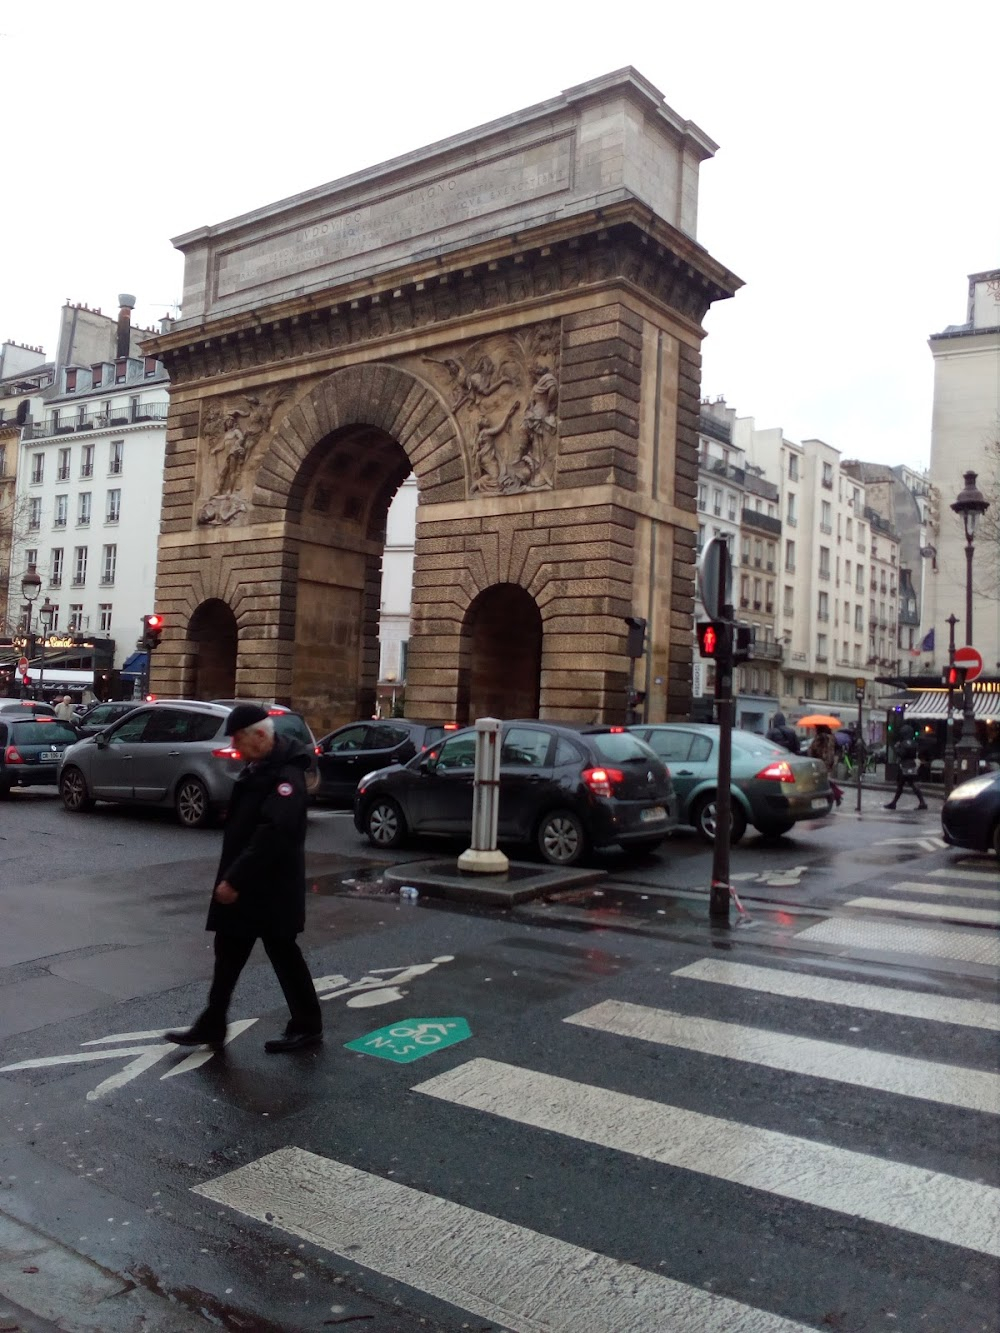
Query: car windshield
pixel 619 746
pixel 42 733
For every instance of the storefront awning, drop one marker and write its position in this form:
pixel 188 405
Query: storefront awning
pixel 59 675
pixel 934 703
pixel 134 665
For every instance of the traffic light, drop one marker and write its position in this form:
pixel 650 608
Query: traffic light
pixel 636 698
pixel 954 677
pixel 743 646
pixel 152 628
pixel 636 646
pixel 710 638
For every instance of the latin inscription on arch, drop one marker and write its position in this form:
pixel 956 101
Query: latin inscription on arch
pixel 532 173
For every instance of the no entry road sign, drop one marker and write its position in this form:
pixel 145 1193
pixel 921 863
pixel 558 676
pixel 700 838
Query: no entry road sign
pixel 970 660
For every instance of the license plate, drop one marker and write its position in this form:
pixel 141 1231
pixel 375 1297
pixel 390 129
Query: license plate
pixel 653 813
pixel 819 802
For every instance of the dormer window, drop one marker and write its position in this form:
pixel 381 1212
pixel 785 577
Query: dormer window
pixel 71 381
pixel 149 366
pixel 98 373
pixel 121 370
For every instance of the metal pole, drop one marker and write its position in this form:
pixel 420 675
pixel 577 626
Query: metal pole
pixel 483 855
pixel 949 738
pixel 630 717
pixel 862 749
pixel 718 903
pixel 968 750
pixel 30 649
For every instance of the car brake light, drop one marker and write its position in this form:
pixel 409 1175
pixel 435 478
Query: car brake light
pixel 229 752
pixel 614 730
pixel 451 726
pixel 602 781
pixel 44 718
pixel 276 712
pixel 11 755
pixel 317 749
pixel 779 771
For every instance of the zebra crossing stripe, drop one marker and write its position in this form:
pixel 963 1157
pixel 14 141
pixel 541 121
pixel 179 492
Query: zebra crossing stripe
pixel 966 946
pixel 980 916
pixel 952 1085
pixel 990 873
pixel 944 890
pixel 519 1279
pixel 914 1199
pixel 853 994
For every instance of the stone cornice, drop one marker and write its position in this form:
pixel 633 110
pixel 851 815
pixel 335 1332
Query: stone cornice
pixel 623 243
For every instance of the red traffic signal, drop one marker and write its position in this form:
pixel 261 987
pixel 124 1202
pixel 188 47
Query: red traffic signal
pixel 954 677
pixel 708 639
pixel 154 621
pixel 152 628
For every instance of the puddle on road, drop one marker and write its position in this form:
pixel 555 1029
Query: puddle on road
pixel 364 881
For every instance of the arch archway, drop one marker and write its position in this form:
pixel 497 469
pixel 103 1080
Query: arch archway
pixel 501 654
pixel 212 639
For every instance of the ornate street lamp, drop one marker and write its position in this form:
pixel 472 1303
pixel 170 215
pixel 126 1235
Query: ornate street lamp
pixel 45 614
pixel 31 586
pixel 970 505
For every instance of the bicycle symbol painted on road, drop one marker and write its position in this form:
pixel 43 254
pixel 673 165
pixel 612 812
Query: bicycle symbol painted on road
pixel 412 1039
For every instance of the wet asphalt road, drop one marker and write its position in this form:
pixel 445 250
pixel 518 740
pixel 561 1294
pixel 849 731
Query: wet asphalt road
pixel 103 935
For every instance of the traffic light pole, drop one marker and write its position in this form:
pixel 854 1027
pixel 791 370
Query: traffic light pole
pixel 949 738
pixel 718 903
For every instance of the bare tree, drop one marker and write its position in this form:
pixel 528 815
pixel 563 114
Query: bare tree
pixel 14 539
pixel 987 564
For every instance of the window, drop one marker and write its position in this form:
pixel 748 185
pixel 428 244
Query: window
pixel 117 454
pixel 34 513
pixel 133 409
pixel 31 558
pixel 56 567
pixel 793 467
pixel 70 381
pixel 824 606
pixel 716 501
pixel 756 594
pixel 87 461
pixel 824 562
pixel 104 617
pixel 745 551
pixel 847 571
pixel 458 752
pixel 62 467
pixel 702 496
pixel 525 746
pixel 701 537
pixel 109 559
pixel 54 418
pixel 121 370
pixel 732 507
pixel 61 511
pixel 3 453
pixel 744 590
pixel 790 557
pixel 98 374
pixel 826 516
pixel 37 468
pixel 828 476
pixel 859 582
pixel 79 566
pixel 791 514
pixel 758 553
pixel 75 616
pixel 770 556
pixel 149 366
pixel 81 416
pixel 769 596
pixel 349 740
pixel 83 509
pixel 789 603
pixel 113 509
pixel 54 623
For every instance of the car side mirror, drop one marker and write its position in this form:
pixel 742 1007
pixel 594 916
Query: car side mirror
pixel 428 764
pixel 101 740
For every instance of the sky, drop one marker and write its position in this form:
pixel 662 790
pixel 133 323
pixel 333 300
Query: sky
pixel 855 187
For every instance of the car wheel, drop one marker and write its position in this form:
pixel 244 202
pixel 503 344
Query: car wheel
pixel 703 818
pixel 561 838
pixel 777 830
pixel 192 804
pixel 384 823
pixel 74 793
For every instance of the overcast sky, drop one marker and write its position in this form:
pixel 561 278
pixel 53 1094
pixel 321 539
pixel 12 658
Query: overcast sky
pixel 855 187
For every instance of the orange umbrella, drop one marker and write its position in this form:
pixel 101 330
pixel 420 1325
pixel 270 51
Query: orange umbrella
pixel 819 720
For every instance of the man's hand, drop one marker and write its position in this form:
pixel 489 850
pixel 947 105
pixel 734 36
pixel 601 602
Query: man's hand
pixel 225 893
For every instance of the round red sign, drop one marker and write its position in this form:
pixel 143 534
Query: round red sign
pixel 970 660
pixel 22 666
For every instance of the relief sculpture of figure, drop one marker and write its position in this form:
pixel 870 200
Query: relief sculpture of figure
pixel 487 461
pixel 539 423
pixel 232 433
pixel 471 386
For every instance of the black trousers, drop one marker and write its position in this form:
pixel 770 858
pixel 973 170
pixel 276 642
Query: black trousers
pixel 231 955
pixel 907 780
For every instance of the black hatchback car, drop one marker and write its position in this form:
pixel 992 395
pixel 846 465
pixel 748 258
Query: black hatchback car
pixel 561 788
pixel 31 749
pixel 970 817
pixel 348 753
pixel 99 716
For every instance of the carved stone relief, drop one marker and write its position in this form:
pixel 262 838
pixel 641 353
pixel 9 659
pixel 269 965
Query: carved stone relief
pixel 504 392
pixel 231 429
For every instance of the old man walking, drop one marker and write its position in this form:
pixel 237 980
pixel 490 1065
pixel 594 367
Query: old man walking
pixel 260 890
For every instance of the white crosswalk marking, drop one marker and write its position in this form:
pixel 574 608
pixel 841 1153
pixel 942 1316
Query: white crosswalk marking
pixel 981 916
pixel 854 994
pixel 938 890
pixel 966 946
pixel 894 1194
pixel 975 1089
pixel 520 1279
pixel 990 873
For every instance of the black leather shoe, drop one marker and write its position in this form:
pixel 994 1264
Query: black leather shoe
pixel 293 1041
pixel 888 807
pixel 196 1037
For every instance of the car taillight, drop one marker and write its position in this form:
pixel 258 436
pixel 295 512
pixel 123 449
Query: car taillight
pixel 779 771
pixel 317 749
pixel 11 755
pixel 451 726
pixel 615 730
pixel 229 752
pixel 602 781
pixel 276 712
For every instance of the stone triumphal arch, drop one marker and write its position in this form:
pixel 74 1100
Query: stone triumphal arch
pixel 514 316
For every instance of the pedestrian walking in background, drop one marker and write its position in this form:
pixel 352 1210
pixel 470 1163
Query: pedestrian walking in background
pixel 260 887
pixel 824 748
pixel 782 734
pixel 906 759
pixel 64 709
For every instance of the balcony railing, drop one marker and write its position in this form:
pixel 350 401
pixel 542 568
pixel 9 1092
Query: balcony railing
pixel 118 416
pixel 750 518
pixel 767 650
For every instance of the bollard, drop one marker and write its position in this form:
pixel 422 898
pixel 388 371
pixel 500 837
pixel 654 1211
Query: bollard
pixel 483 856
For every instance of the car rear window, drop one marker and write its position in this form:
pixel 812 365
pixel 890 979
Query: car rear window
pixel 619 746
pixel 750 743
pixel 41 733
pixel 290 724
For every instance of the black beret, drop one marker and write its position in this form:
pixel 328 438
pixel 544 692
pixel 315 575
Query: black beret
pixel 244 715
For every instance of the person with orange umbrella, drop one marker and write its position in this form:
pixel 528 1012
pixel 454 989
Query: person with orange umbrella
pixel 824 748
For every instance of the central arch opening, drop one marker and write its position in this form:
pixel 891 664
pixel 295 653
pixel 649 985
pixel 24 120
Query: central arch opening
pixel 501 655
pixel 212 640
pixel 342 497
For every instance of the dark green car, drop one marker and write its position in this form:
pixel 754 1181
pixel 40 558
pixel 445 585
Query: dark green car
pixel 771 789
pixel 31 749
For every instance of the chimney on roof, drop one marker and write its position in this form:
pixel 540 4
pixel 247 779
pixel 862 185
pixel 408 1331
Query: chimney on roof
pixel 126 304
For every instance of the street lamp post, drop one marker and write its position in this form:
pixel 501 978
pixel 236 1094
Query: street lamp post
pixel 45 614
pixel 31 586
pixel 949 740
pixel 970 505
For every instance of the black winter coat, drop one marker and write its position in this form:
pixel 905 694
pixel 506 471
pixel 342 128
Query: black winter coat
pixel 263 846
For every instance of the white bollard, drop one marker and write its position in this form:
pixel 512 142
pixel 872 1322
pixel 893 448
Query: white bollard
pixel 483 855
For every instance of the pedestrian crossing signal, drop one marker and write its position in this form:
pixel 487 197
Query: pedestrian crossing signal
pixel 708 639
pixel 954 677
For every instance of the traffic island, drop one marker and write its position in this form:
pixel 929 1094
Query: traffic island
pixel 519 883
